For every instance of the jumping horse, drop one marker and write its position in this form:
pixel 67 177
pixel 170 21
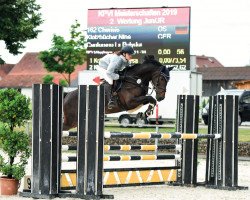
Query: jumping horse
pixel 131 92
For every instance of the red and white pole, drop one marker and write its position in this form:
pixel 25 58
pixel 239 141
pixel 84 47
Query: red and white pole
pixel 156 123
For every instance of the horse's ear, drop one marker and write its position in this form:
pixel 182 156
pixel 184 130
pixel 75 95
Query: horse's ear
pixel 149 57
pixel 170 68
pixel 145 58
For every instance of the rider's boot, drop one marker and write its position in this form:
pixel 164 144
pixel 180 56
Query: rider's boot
pixel 111 102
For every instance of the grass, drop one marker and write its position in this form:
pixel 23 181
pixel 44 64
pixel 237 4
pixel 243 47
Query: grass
pixel 135 129
pixel 244 133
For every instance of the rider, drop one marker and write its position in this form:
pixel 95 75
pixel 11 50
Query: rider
pixel 110 64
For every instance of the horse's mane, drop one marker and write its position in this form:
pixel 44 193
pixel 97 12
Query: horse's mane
pixel 147 59
pixel 151 59
pixel 134 66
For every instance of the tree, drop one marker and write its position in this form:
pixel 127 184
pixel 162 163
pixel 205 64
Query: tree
pixel 14 108
pixel 48 79
pixel 64 55
pixel 18 22
pixel 14 144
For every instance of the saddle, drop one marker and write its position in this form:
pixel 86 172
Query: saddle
pixel 117 85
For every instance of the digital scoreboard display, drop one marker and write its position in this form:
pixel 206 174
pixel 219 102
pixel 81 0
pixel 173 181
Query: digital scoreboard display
pixel 162 32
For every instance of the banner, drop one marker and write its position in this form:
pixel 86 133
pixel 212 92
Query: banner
pixel 162 32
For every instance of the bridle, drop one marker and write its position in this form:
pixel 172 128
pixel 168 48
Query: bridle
pixel 156 86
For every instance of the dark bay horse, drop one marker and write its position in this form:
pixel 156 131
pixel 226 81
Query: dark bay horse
pixel 131 93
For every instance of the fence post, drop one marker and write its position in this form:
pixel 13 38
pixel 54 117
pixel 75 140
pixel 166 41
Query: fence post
pixel 187 122
pixel 90 142
pixel 46 142
pixel 222 155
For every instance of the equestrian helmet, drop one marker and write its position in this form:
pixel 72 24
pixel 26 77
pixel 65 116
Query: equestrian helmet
pixel 128 49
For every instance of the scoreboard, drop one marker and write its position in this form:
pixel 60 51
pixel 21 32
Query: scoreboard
pixel 162 32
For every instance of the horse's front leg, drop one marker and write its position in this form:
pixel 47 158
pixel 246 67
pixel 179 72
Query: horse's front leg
pixel 147 100
pixel 150 110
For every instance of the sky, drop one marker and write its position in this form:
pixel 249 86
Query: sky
pixel 219 28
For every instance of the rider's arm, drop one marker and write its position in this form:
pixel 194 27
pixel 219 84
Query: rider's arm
pixel 114 65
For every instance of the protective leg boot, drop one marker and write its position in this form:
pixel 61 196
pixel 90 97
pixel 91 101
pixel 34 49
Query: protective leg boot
pixel 111 102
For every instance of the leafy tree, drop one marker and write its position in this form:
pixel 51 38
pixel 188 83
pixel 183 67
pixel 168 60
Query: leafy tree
pixel 18 22
pixel 64 55
pixel 14 108
pixel 63 83
pixel 48 79
pixel 14 144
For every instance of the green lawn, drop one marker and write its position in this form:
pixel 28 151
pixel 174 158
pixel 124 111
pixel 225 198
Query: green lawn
pixel 244 134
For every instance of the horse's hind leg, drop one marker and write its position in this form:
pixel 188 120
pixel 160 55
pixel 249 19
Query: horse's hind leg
pixel 70 108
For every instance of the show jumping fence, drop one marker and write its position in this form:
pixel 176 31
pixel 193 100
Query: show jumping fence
pixel 48 177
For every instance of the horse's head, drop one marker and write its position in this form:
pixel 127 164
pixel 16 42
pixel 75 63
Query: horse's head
pixel 160 77
pixel 160 81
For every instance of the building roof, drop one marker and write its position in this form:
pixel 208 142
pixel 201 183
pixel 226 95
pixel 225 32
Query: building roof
pixel 243 84
pixel 225 73
pixel 5 69
pixel 206 61
pixel 30 70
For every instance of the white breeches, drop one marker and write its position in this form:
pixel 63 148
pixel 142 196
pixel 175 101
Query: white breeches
pixel 103 74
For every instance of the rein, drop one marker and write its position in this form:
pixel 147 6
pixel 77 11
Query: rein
pixel 135 82
pixel 141 85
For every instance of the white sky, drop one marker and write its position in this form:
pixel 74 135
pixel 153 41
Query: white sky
pixel 219 28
